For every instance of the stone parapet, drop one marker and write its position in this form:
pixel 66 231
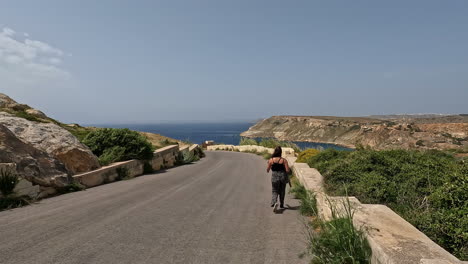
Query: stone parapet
pixel 287 152
pixel 162 158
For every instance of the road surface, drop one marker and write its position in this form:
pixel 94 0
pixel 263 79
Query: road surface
pixel 213 211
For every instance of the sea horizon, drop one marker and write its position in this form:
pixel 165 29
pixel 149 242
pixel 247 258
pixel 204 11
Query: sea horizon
pixel 219 132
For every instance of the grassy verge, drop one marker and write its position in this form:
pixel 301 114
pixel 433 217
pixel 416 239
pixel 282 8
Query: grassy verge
pixel 11 202
pixel 335 241
pixel 427 188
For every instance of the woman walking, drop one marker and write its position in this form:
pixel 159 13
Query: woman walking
pixel 279 177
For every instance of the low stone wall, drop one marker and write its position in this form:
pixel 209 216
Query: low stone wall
pixel 162 158
pixel 393 240
pixel 287 152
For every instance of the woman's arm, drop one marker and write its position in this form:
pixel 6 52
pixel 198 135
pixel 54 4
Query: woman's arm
pixel 286 166
pixel 269 166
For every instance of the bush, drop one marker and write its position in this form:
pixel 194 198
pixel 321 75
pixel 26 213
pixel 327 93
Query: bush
pixel 305 155
pixel 189 157
pixel 72 187
pixel 13 202
pixel 338 241
pixel 248 141
pixel 8 182
pixel 427 188
pixel 112 145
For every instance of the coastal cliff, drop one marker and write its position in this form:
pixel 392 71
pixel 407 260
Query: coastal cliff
pixel 379 132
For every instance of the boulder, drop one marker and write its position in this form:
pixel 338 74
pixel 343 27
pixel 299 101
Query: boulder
pixel 56 141
pixel 31 163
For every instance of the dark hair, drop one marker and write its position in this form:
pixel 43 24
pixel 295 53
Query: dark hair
pixel 277 153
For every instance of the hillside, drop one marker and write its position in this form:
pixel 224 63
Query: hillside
pixel 44 150
pixel 379 132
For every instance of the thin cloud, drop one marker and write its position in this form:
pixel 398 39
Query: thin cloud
pixel 29 60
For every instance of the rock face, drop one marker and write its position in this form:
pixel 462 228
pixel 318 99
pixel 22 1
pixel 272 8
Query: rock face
pixel 33 164
pixel 444 132
pixel 54 140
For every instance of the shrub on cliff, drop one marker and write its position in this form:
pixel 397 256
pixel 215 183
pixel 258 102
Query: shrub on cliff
pixel 112 145
pixel 305 155
pixel 427 188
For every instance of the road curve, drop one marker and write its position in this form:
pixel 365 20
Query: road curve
pixel 214 211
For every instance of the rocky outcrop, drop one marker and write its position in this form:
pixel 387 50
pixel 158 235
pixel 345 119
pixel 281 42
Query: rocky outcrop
pixel 31 163
pixel 445 132
pixel 54 140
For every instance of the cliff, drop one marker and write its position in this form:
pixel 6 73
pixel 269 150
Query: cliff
pixel 379 132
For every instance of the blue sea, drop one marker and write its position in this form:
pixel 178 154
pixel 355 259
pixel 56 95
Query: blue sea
pixel 227 133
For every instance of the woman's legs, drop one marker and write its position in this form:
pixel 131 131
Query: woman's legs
pixel 275 191
pixel 282 193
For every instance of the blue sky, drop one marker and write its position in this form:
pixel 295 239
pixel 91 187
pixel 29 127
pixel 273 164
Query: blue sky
pixel 152 61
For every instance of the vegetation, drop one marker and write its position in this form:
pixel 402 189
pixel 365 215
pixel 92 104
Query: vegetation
pixel 305 155
pixel 78 131
pixel 25 115
pixel 337 241
pixel 269 143
pixel 8 182
pixel 112 144
pixel 307 198
pixel 248 141
pixel 427 188
pixel 13 202
pixel 72 187
pixel 166 142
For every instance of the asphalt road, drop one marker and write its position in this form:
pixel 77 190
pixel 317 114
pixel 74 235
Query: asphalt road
pixel 214 211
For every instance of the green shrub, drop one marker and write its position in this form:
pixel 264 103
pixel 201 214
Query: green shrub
pixel 427 188
pixel 305 155
pixel 8 182
pixel 297 189
pixel 337 241
pixel 327 159
pixel 112 145
pixel 307 198
pixel 199 152
pixel 72 187
pixel 13 202
pixel 166 142
pixel 189 157
pixel 112 154
pixel 248 141
pixel 25 115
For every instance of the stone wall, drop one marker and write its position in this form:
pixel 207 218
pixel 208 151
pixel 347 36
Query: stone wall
pixel 287 152
pixel 162 158
pixel 393 240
